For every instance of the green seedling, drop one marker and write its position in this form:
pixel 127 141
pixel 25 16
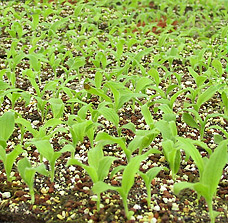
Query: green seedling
pixel 171 55
pixel 209 178
pixel 16 94
pixel 13 94
pixel 147 116
pixel 55 26
pixel 28 172
pixel 188 145
pixel 104 138
pixel 98 167
pixel 46 150
pixel 9 159
pixel 169 145
pixel 122 94
pixel 45 132
pixel 195 120
pixel 199 79
pixel 218 66
pixel 127 182
pixel 198 60
pixel 16 30
pixel 148 177
pixel 202 96
pixel 100 60
pixel 74 64
pixel 142 140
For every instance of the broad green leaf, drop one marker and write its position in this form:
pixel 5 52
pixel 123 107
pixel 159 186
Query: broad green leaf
pixel 7 123
pixel 52 123
pixel 142 83
pixel 219 128
pixel 147 115
pixel 214 167
pixel 162 40
pixel 100 93
pixel 89 169
pixel 166 109
pixel 104 166
pixel 57 107
pixel 100 187
pixel 181 186
pixel 130 171
pixel 2 153
pixel 129 125
pixel 188 119
pixel 153 172
pixel 202 145
pixel 218 66
pixel 82 113
pixel 119 47
pixel 78 9
pixel 34 62
pixel 110 115
pixel 173 128
pixel 95 155
pixel 98 79
pixel 170 88
pixel 218 139
pixel 26 124
pixel 125 97
pixel 194 74
pixel 53 28
pixel 164 128
pixel 154 73
pixel 142 139
pixel 45 149
pixel 206 95
pixel 11 158
pixel 105 139
pixel 189 148
pixel 78 132
pixel 68 148
pixel 172 155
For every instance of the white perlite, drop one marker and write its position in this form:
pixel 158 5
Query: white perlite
pixel 175 207
pixel 6 195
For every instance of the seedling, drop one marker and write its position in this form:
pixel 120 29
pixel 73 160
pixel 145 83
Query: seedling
pixel 196 121
pixel 27 173
pixel 127 182
pixel 46 150
pixel 209 178
pixel 9 159
pixel 148 177
pixel 98 167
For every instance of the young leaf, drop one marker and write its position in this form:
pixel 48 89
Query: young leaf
pixel 7 123
pixel 110 115
pixel 57 107
pixel 9 159
pixel 27 173
pixel 147 115
pixel 142 83
pixel 218 66
pixel 154 73
pixel 206 95
pixel 189 148
pixel 188 119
